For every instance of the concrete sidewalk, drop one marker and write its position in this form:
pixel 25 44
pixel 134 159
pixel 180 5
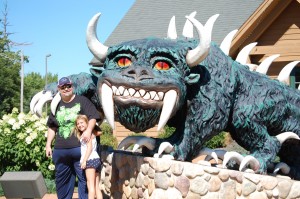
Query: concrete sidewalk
pixel 51 196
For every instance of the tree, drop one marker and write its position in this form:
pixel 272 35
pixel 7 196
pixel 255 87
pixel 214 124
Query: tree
pixel 10 78
pixel 34 83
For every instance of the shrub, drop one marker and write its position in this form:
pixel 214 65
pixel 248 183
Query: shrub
pixel 107 137
pixel 166 132
pixel 22 144
pixel 217 141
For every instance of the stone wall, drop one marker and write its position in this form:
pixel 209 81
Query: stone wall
pixel 125 175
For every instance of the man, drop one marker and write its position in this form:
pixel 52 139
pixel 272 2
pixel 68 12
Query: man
pixel 66 153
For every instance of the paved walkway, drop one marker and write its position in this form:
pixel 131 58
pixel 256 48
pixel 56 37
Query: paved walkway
pixel 50 196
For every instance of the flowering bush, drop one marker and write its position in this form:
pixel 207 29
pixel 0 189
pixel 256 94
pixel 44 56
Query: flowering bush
pixel 22 144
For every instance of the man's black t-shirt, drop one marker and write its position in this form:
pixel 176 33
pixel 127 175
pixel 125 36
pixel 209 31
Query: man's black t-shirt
pixel 64 120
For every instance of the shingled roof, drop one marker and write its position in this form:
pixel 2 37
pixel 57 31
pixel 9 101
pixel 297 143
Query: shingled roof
pixel 151 18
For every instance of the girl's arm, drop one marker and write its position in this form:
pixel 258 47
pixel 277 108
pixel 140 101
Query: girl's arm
pixel 87 153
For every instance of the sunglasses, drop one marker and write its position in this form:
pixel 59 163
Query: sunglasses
pixel 65 86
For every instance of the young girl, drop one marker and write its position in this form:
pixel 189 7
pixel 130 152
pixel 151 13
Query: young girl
pixel 90 160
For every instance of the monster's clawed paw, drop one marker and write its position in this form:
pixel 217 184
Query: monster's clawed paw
pixel 38 101
pixel 283 167
pixel 138 141
pixel 164 147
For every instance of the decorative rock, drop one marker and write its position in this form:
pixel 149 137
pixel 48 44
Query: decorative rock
pixel 295 190
pixel 253 178
pixel 139 180
pixel 134 193
pixel 182 183
pixel 131 182
pixel 160 165
pixel 223 175
pixel 236 175
pixel 127 191
pixel 206 177
pixel 159 194
pixel 192 195
pixel 275 193
pixel 161 180
pixel 269 182
pixel 192 170
pixel 229 190
pixel 199 185
pixel 145 168
pixel 284 188
pixel 177 168
pixel 213 195
pixel 211 170
pixel 260 195
pixel 215 184
pixel 146 181
pixel 146 194
pixel 173 193
pixel 151 173
pixel 269 193
pixel 239 189
pixel 259 187
pixel 140 192
pixel 248 187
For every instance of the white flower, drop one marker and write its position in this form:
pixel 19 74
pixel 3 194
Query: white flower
pixel 21 122
pixel 15 110
pixel 21 136
pixel 5 117
pixel 37 163
pixel 51 167
pixel 11 121
pixel 36 149
pixel 46 133
pixel 28 130
pixel 21 116
pixel 16 126
pixel 33 135
pixel 28 140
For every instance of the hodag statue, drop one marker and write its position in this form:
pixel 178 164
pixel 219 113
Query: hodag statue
pixel 194 86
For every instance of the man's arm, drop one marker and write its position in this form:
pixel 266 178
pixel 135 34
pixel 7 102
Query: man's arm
pixel 86 135
pixel 50 137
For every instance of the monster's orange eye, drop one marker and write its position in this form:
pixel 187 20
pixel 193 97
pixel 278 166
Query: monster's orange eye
pixel 124 61
pixel 161 65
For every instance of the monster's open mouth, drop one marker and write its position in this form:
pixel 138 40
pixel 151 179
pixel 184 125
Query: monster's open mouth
pixel 125 95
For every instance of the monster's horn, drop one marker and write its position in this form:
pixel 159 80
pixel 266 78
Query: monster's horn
pixel 195 56
pixel 96 48
pixel 188 29
pixel 264 66
pixel 172 34
pixel 226 43
pixel 242 57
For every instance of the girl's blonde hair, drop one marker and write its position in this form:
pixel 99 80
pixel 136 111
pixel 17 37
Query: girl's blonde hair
pixel 77 132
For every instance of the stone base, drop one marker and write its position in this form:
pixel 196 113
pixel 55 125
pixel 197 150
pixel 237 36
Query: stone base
pixel 126 175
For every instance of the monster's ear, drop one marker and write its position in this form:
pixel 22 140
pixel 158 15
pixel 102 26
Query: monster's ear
pixel 96 71
pixel 192 78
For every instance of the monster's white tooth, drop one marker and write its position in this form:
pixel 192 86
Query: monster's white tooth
pixel 168 105
pixel 126 93
pixel 142 92
pixel 137 94
pixel 121 89
pixel 131 91
pixel 161 95
pixel 117 92
pixel 156 97
pixel 152 94
pixel 114 88
pixel 108 104
pixel 147 96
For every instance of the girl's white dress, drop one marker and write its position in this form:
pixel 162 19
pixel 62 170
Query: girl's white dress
pixel 94 153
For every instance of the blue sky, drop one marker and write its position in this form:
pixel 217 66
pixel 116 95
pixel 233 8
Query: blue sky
pixel 58 27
